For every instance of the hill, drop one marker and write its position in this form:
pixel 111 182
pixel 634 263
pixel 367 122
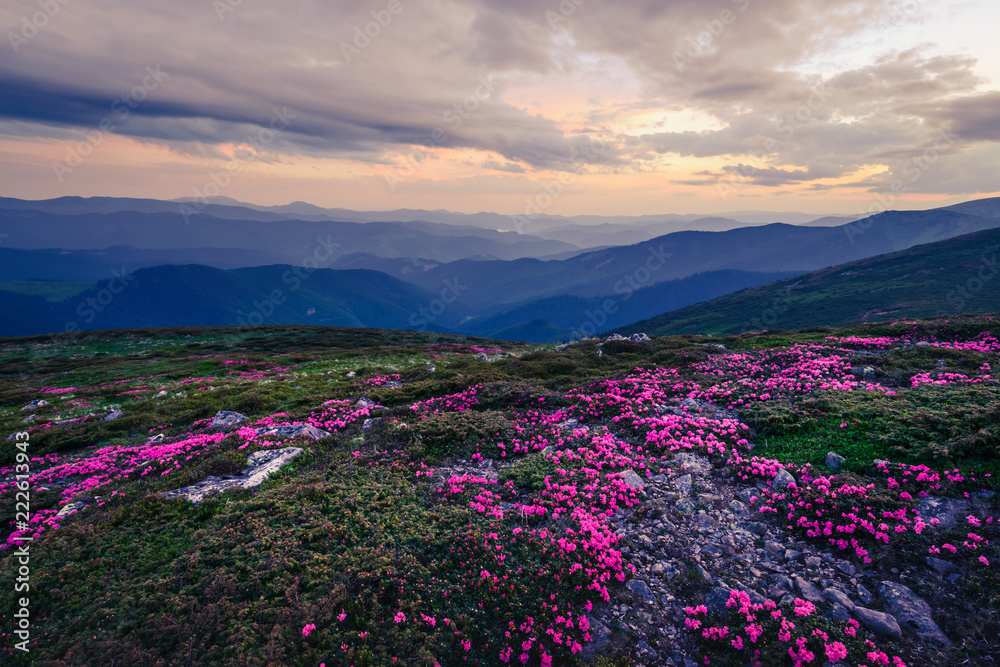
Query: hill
pixel 947 277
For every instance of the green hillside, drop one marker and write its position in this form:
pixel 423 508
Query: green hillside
pixel 943 278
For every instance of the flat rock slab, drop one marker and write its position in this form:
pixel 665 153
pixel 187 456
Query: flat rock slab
pixel 632 480
pixel 295 430
pixel 912 612
pixel 259 466
pixel 601 636
pixel 640 588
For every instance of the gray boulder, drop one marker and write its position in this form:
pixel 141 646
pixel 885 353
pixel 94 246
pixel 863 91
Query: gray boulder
pixel 783 479
pixel 912 612
pixel 365 402
pixel 881 624
pixel 632 480
pixel 224 420
pixel 948 511
pixel 260 465
pixel 834 460
pixel 640 588
pixel 295 430
pixel 112 414
pixel 34 405
pixel 683 484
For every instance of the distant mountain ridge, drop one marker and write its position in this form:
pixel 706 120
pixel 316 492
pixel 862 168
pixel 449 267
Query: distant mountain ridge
pixel 955 276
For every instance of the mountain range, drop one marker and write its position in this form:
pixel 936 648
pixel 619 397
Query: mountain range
pixel 220 263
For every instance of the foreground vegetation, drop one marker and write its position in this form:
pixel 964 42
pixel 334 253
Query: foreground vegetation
pixel 464 518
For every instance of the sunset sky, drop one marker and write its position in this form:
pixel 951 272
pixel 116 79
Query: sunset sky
pixel 646 107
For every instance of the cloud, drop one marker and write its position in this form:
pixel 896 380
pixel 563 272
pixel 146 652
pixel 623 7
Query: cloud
pixel 369 85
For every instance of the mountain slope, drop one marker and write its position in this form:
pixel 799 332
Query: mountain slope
pixel 195 295
pixel 959 275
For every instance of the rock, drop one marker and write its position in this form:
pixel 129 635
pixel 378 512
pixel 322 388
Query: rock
pixel 431 367
pixel 716 600
pixel 112 414
pixel 393 385
pixel 783 479
pixel 163 393
pixel 295 430
pixel 837 612
pixel 370 422
pixel 225 420
pixel 640 588
pixel 259 466
pixel 632 480
pixel 809 591
pixel 813 561
pixel 601 636
pixel 365 402
pixel 879 623
pixel 646 651
pixel 34 405
pixel 737 507
pixel 912 612
pixel 71 508
pixel 792 554
pixel 29 419
pixel 864 594
pixel 942 567
pixel 351 374
pixel 840 597
pixel 693 463
pixel 639 338
pixel 834 460
pixel 683 484
pixel 747 495
pixel 159 437
pixel 685 506
pixel 948 511
pixel 568 425
pixel 774 548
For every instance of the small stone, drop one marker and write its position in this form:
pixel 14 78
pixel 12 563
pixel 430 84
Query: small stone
pixel 351 374
pixel 864 594
pixel 393 385
pixel 813 561
pixel 685 506
pixel 112 414
pixel 163 393
pixel 792 554
pixel 369 423
pixel 365 402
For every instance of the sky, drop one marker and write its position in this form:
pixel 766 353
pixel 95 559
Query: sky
pixel 565 106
